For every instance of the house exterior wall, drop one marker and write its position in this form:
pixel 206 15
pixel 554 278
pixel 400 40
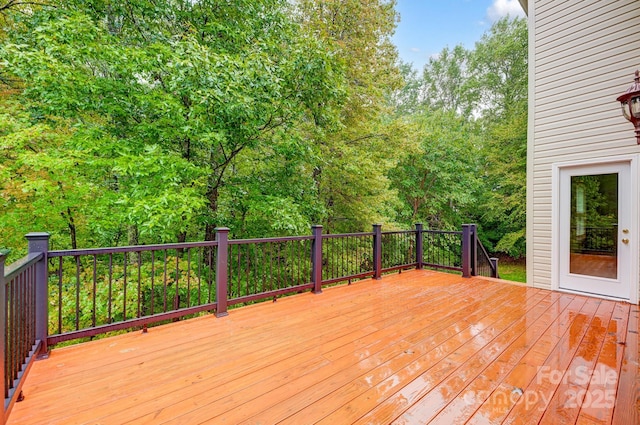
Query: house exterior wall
pixel 582 55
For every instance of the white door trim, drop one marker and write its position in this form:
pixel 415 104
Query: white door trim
pixel 632 160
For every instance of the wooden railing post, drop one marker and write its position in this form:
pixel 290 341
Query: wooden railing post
pixel 39 243
pixel 3 332
pixel 377 251
pixel 419 248
pixel 222 277
pixel 316 259
pixel 494 270
pixel 474 250
pixel 466 250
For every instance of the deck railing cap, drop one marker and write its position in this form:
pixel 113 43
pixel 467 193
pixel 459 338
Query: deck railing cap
pixel 37 235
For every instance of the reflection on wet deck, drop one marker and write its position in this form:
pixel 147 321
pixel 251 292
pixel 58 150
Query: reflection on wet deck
pixel 417 347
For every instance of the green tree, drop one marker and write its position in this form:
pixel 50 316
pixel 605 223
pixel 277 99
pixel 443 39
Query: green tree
pixel 407 100
pixel 159 99
pixel 351 166
pixel 271 190
pixel 436 178
pixel 446 82
pixel 40 185
pixel 477 100
pixel 498 69
pixel 500 74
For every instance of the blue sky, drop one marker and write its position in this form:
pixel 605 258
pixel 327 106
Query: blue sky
pixel 428 26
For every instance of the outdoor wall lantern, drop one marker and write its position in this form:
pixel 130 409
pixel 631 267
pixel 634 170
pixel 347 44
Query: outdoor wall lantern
pixel 630 102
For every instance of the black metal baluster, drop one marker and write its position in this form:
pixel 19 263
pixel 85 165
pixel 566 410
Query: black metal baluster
pixel 264 266
pixel 95 287
pixel 279 263
pixel 164 284
pixel 20 319
pixel 110 287
pixel 210 273
pixel 253 264
pixel 200 260
pixel 248 268
pixel 7 338
pixel 28 307
pixel 188 300
pixel 238 272
pixel 59 295
pixel 124 285
pixel 14 314
pixel 271 277
pixel 176 294
pixel 139 311
pixel 77 258
pixel 153 278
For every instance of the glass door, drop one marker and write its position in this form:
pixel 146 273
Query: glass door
pixel 594 229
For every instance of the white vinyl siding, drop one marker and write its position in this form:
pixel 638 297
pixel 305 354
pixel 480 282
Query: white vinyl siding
pixel 585 53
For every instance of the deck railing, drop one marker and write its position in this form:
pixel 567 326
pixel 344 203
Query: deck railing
pixel 399 250
pixel 594 240
pixel 481 263
pixel 23 297
pixel 444 250
pixel 93 291
pixel 348 256
pixel 267 268
pixel 55 296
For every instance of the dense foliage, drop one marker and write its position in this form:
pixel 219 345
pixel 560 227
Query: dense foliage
pixel 468 114
pixel 143 121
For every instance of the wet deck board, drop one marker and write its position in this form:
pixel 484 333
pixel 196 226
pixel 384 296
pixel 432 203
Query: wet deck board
pixel 417 347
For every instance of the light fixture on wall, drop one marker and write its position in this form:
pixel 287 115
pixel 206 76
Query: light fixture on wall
pixel 630 102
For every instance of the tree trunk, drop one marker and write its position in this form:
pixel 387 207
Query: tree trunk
pixel 72 228
pixel 133 235
pixel 133 238
pixel 212 196
pixel 182 237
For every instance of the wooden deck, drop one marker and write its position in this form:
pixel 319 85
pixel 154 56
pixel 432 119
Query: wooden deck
pixel 418 347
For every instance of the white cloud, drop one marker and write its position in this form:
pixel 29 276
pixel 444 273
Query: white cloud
pixel 501 8
pixel 415 49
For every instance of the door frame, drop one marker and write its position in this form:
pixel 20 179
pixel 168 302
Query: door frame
pixel 634 228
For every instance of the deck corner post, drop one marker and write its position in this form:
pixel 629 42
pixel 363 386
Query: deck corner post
pixel 38 242
pixel 316 259
pixel 474 250
pixel 3 329
pixel 419 248
pixel 222 273
pixel 377 251
pixel 466 250
pixel 494 268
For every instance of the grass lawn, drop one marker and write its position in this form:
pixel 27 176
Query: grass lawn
pixel 514 270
